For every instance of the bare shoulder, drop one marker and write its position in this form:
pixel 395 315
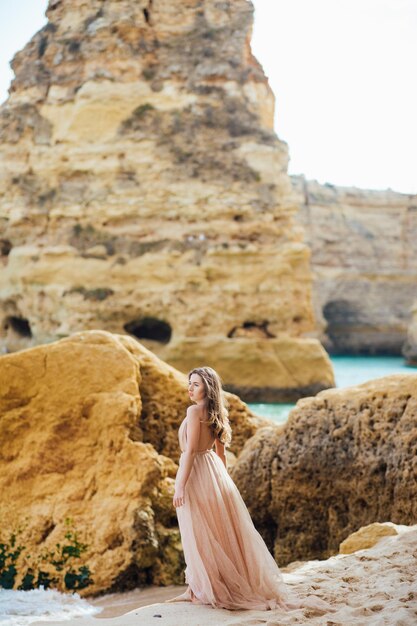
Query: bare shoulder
pixel 193 412
pixel 193 419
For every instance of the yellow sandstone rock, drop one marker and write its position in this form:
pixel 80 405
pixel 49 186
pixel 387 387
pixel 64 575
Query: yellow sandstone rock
pixel 143 190
pixel 366 537
pixel 344 459
pixel 284 367
pixel 88 430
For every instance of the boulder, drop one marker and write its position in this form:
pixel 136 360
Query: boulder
pixel 366 537
pixel 345 459
pixel 89 430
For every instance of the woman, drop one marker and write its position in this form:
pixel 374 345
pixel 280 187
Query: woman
pixel 227 562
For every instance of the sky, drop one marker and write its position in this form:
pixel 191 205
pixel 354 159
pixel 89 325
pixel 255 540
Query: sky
pixel 342 74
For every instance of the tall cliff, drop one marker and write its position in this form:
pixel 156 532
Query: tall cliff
pixel 143 190
pixel 364 260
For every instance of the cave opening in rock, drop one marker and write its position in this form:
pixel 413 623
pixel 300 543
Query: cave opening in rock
pixel 362 327
pixel 5 247
pixel 149 328
pixel 342 318
pixel 340 312
pixel 352 329
pixel 251 329
pixel 18 325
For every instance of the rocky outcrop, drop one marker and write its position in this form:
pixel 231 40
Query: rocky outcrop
pixel 285 374
pixel 367 537
pixel 88 430
pixel 143 190
pixel 364 259
pixel 344 459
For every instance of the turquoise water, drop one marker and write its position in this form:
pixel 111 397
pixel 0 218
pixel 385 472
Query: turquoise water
pixel 348 370
pixel 353 370
pixel 276 412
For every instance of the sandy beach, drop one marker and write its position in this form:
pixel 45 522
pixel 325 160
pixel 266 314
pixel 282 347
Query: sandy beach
pixel 368 587
pixel 117 604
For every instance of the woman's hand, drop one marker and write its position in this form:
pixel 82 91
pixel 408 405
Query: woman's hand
pixel 178 496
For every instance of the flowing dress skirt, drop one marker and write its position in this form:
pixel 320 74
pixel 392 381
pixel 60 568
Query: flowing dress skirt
pixel 228 564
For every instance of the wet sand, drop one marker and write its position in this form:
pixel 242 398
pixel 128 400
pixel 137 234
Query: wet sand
pixel 117 604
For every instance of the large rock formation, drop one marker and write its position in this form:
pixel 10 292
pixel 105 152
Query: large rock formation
pixel 88 430
pixel 144 190
pixel 344 459
pixel 364 260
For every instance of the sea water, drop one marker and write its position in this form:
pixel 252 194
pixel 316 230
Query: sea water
pixel 20 608
pixel 348 371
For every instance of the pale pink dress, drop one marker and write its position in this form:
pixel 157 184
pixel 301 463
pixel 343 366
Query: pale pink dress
pixel 227 562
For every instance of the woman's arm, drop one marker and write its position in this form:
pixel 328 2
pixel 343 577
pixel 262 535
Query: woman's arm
pixel 220 451
pixel 193 434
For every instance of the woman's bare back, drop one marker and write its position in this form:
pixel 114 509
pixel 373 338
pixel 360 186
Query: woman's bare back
pixel 206 438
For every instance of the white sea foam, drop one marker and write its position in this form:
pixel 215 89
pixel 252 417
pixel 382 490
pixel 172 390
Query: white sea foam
pixel 19 608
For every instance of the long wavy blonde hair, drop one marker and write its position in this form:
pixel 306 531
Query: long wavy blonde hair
pixel 218 414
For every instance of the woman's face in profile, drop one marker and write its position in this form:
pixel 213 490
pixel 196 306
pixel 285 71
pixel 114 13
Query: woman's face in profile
pixel 196 389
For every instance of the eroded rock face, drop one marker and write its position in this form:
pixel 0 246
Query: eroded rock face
pixel 364 259
pixel 143 189
pixel 89 430
pixel 344 459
